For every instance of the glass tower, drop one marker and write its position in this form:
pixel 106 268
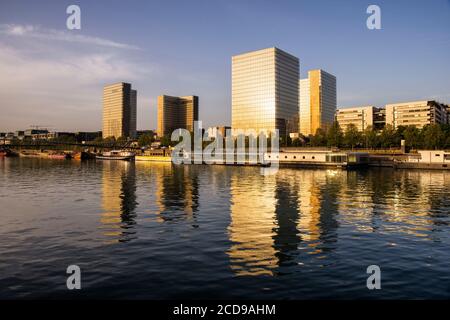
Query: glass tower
pixel 265 91
pixel 176 113
pixel 317 101
pixel 119 110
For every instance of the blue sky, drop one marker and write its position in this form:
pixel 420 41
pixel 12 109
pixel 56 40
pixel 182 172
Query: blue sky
pixel 53 76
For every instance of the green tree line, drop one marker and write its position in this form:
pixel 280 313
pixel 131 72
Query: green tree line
pixel 435 136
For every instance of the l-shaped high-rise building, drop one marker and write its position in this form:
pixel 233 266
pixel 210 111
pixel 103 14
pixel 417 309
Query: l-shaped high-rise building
pixel 176 113
pixel 119 111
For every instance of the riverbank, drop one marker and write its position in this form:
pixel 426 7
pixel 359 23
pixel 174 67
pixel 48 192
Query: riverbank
pixel 287 157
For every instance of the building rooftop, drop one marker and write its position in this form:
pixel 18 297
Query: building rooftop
pixel 262 51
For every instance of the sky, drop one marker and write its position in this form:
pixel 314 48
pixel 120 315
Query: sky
pixel 53 77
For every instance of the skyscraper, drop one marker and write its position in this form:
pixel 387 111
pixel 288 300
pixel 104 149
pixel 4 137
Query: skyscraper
pixel 265 91
pixel 133 114
pixel 119 110
pixel 317 101
pixel 176 113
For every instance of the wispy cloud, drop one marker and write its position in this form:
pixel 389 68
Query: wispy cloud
pixel 38 32
pixel 60 84
pixel 59 91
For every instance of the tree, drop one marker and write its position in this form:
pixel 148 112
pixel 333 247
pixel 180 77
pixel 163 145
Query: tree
pixel 64 139
pixel 296 142
pixel 319 139
pixel 389 137
pixel 121 140
pixel 401 131
pixel 412 136
pixel 352 136
pixel 447 142
pixel 433 136
pixel 334 135
pixel 145 140
pixel 109 140
pixel 370 137
pixel 98 140
pixel 165 141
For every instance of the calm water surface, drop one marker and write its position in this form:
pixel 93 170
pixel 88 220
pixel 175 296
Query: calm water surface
pixel 161 231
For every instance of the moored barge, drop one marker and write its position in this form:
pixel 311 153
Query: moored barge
pixel 318 158
pixel 115 155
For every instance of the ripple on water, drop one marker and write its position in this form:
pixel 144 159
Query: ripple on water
pixel 161 231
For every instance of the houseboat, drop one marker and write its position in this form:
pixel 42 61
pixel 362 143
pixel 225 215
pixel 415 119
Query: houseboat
pixel 155 155
pixel 115 155
pixel 424 159
pixel 318 158
pixel 59 155
pixel 30 154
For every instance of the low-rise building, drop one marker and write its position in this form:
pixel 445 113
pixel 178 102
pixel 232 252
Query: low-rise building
pixel 19 134
pixel 447 108
pixel 52 135
pixel 379 118
pixel 31 132
pixel 416 113
pixel 361 117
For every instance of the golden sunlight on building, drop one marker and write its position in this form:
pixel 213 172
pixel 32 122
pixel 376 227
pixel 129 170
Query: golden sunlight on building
pixel 317 104
pixel 265 91
pixel 119 111
pixel 176 113
pixel 251 229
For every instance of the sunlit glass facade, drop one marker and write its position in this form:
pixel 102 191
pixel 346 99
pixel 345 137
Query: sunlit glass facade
pixel 317 101
pixel 265 91
pixel 119 110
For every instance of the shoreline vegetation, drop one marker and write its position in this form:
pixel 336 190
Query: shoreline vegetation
pixel 430 137
pixel 385 141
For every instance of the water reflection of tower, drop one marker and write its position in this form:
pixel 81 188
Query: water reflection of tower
pixel 410 202
pixel 309 205
pixel 251 230
pixel 355 202
pixel 286 237
pixel 118 200
pixel 177 192
pixel 317 197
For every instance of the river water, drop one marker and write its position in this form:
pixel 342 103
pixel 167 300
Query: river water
pixel 160 231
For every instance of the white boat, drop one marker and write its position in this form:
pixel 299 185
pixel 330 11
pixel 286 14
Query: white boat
pixel 155 155
pixel 116 155
pixel 318 158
